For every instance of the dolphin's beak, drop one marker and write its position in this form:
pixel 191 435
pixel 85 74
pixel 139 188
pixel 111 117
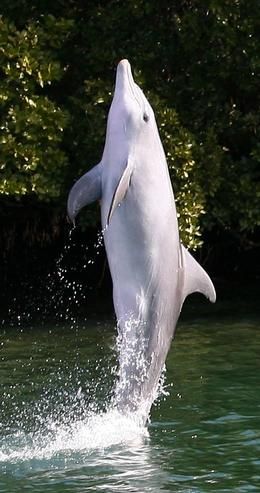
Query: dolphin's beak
pixel 123 65
pixel 124 77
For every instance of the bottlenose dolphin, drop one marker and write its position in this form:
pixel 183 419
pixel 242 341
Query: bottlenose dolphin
pixel 152 272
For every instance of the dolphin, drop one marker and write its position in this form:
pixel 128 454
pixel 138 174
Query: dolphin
pixel 152 272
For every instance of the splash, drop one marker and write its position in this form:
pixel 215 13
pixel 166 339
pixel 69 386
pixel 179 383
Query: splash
pixel 58 296
pixel 135 391
pixel 132 367
pixel 68 412
pixel 96 432
pixel 76 411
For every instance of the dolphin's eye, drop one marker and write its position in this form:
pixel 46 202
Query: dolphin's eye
pixel 145 117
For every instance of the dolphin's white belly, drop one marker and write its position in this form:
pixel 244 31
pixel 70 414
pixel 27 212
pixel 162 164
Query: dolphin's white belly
pixel 142 245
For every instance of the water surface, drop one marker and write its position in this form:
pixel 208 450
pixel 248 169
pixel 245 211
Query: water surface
pixel 57 435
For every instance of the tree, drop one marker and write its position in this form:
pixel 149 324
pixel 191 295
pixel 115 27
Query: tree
pixel 198 62
pixel 32 160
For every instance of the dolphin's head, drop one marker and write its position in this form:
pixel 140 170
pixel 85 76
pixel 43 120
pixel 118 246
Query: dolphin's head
pixel 130 113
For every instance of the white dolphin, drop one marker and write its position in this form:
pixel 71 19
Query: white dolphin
pixel 152 272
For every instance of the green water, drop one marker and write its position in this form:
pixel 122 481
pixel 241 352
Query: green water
pixel 203 437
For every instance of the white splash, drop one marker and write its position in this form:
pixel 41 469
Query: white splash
pixel 97 432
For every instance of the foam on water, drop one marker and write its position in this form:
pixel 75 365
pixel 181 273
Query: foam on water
pixel 97 432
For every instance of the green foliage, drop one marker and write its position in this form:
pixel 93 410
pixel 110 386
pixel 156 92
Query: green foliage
pixel 179 148
pixel 197 61
pixel 31 157
pixel 217 95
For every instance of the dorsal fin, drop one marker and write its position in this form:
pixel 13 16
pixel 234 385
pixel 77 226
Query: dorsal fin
pixel 195 279
pixel 86 190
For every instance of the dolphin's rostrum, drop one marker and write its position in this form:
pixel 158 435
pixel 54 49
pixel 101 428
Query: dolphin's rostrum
pixel 152 272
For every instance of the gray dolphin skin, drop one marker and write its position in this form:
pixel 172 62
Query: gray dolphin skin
pixel 152 272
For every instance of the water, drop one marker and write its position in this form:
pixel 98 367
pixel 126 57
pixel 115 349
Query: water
pixel 56 435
